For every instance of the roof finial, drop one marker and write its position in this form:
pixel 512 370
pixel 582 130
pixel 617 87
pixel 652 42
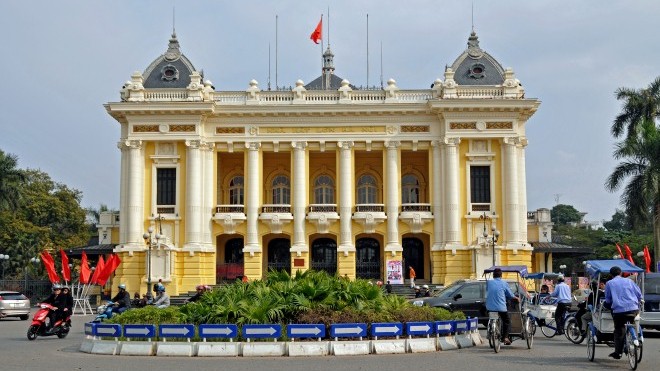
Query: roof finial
pixel 173 20
pixel 472 15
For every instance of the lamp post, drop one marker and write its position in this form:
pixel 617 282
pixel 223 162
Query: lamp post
pixel 150 243
pixel 495 234
pixel 562 268
pixel 32 261
pixel 3 259
pixel 617 256
pixel 641 255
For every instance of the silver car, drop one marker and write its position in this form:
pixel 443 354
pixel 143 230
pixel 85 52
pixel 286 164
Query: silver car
pixel 14 304
pixel 651 314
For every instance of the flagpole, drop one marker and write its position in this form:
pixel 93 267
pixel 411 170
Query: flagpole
pixel 276 83
pixel 322 76
pixel 367 50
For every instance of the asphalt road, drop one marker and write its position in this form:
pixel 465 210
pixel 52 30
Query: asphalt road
pixel 51 353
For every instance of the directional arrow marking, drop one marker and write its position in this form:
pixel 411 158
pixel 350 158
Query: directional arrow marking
pixel 386 329
pixel 444 327
pixel 137 331
pixel 305 331
pixel 217 330
pixel 106 330
pixel 175 331
pixel 348 330
pixel 424 328
pixel 260 331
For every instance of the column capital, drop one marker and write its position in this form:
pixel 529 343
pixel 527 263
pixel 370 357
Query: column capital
pixel 345 145
pixel 253 146
pixel 437 143
pixel 452 141
pixel 194 144
pixel 300 145
pixel 512 141
pixel 133 144
pixel 522 142
pixel 392 144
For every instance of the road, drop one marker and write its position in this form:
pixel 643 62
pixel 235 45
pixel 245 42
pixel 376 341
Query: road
pixel 51 353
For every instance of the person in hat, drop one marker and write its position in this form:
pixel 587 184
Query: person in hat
pixel 122 301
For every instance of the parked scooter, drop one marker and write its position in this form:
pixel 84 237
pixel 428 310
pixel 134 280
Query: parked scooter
pixel 39 328
pixel 104 311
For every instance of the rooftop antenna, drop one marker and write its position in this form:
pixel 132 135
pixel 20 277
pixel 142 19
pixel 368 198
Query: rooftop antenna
pixel 173 19
pixel 268 66
pixel 276 84
pixel 381 65
pixel 472 15
pixel 367 50
pixel 557 195
pixel 328 27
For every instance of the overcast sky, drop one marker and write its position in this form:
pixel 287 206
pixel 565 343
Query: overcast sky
pixel 62 60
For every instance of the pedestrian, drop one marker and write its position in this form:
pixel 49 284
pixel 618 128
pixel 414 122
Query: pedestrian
pixel 563 294
pixel 411 276
pixel 622 296
pixel 418 292
pixel 497 293
pixel 388 287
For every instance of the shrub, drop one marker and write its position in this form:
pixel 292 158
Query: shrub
pixel 150 315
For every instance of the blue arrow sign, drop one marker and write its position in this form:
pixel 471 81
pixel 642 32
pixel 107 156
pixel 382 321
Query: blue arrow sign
pixel 419 328
pixel 306 331
pixel 89 328
pixel 444 327
pixel 107 330
pixel 474 323
pixel 461 326
pixel 348 330
pixel 218 331
pixel 139 331
pixel 386 329
pixel 176 331
pixel 262 331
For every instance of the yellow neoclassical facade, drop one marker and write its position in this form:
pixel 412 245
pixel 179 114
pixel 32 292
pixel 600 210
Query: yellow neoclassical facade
pixel 361 183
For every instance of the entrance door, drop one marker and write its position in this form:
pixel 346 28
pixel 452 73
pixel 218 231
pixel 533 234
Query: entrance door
pixel 324 255
pixel 413 255
pixel 368 258
pixel 279 255
pixel 232 267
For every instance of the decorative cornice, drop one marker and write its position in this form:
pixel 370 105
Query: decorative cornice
pixel 415 129
pixel 463 125
pixel 229 130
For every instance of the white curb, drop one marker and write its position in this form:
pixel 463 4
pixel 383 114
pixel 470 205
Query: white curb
pixel 219 349
pixel 464 340
pixel 137 348
pixel 305 349
pixel 424 345
pixel 174 349
pixel 86 345
pixel 397 346
pixel 105 347
pixel 264 349
pixel 447 343
pixel 350 348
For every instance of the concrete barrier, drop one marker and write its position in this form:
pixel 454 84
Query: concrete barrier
pixel 423 345
pixel 175 349
pixel 218 349
pixel 137 348
pixel 264 349
pixel 447 342
pixel 396 346
pixel 105 347
pixel 308 348
pixel 350 348
pixel 463 336
pixel 86 345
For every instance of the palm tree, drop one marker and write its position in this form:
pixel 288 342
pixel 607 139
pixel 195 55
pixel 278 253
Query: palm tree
pixel 10 181
pixel 640 155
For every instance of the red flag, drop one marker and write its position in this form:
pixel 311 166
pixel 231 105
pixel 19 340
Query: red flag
pixel 66 270
pixel 84 269
pixel 620 252
pixel 49 263
pixel 318 32
pixel 110 266
pixel 97 271
pixel 647 259
pixel 629 253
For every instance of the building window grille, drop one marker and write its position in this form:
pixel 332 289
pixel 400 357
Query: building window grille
pixel 281 190
pixel 236 190
pixel 480 184
pixel 324 190
pixel 409 189
pixel 366 189
pixel 166 186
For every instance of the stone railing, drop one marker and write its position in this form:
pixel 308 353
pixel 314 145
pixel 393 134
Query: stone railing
pixel 365 208
pixel 161 95
pixel 276 208
pixel 480 92
pixel 226 209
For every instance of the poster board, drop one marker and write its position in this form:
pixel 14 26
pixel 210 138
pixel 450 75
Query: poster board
pixel 395 271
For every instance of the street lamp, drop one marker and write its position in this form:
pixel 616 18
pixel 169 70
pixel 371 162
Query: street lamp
pixel 32 261
pixel 3 259
pixel 495 234
pixel 150 243
pixel 617 256
pixel 562 267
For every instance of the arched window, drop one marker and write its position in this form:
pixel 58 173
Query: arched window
pixel 409 189
pixel 324 190
pixel 281 190
pixel 236 186
pixel 366 190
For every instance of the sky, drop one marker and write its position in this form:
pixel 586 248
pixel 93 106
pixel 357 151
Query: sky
pixel 64 59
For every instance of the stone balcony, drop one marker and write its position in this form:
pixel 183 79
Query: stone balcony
pixel 229 216
pixel 275 216
pixel 416 216
pixel 369 216
pixel 322 215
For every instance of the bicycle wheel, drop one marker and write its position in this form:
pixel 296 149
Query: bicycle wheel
pixel 532 323
pixel 573 331
pixel 489 334
pixel 495 335
pixel 549 329
pixel 640 347
pixel 591 345
pixel 527 330
pixel 632 348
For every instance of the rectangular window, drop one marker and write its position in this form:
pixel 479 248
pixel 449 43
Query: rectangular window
pixel 480 184
pixel 166 186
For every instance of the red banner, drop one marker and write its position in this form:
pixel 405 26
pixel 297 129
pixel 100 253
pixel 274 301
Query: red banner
pixel 620 252
pixel 66 270
pixel 49 263
pixel 647 259
pixel 110 266
pixel 317 35
pixel 629 254
pixel 97 271
pixel 84 269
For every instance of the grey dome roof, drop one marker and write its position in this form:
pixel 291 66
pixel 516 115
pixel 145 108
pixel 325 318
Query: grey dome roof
pixel 476 67
pixel 169 71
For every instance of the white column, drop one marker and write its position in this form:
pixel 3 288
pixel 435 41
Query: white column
pixel 511 201
pixel 452 216
pixel 194 194
pixel 393 199
pixel 345 196
pixel 437 196
pixel 252 198
pixel 208 206
pixel 299 193
pixel 522 194
pixel 135 193
pixel 123 188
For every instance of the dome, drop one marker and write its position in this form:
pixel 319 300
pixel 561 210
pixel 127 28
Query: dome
pixel 476 67
pixel 169 71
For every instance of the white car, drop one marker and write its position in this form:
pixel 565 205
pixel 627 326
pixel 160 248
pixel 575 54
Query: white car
pixel 14 304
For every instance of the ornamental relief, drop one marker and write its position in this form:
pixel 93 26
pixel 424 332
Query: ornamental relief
pixel 182 128
pixel 499 125
pixel 226 130
pixel 145 128
pixel 462 125
pixel 415 129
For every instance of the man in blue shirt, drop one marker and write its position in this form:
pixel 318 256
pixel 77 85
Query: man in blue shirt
pixel 497 292
pixel 563 294
pixel 623 296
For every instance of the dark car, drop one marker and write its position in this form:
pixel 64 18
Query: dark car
pixel 467 296
pixel 651 314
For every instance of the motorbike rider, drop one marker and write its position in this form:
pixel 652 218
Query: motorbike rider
pixel 427 292
pixel 68 309
pixel 162 300
pixel 58 301
pixel 200 291
pixel 122 301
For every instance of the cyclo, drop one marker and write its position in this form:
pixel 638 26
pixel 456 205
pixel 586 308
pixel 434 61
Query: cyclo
pixel 521 323
pixel 542 310
pixel 601 328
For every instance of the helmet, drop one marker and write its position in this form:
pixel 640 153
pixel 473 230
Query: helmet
pixel 425 286
pixel 199 287
pixel 122 286
pixel 57 286
pixel 416 287
pixel 160 288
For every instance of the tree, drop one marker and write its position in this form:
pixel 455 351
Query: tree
pixel 640 155
pixel 563 214
pixel 11 179
pixel 619 222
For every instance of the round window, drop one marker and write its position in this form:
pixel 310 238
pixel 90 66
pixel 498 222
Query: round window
pixel 169 73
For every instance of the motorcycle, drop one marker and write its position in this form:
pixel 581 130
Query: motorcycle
pixel 39 328
pixel 104 311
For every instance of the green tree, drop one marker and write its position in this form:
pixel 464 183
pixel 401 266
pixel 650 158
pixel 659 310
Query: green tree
pixel 619 222
pixel 564 214
pixel 640 155
pixel 11 179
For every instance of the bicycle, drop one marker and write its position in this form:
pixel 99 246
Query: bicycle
pixel 572 330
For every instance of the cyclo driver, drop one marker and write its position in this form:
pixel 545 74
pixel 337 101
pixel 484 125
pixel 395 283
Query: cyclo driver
pixel 497 293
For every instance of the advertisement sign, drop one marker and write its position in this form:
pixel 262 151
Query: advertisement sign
pixel 395 271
